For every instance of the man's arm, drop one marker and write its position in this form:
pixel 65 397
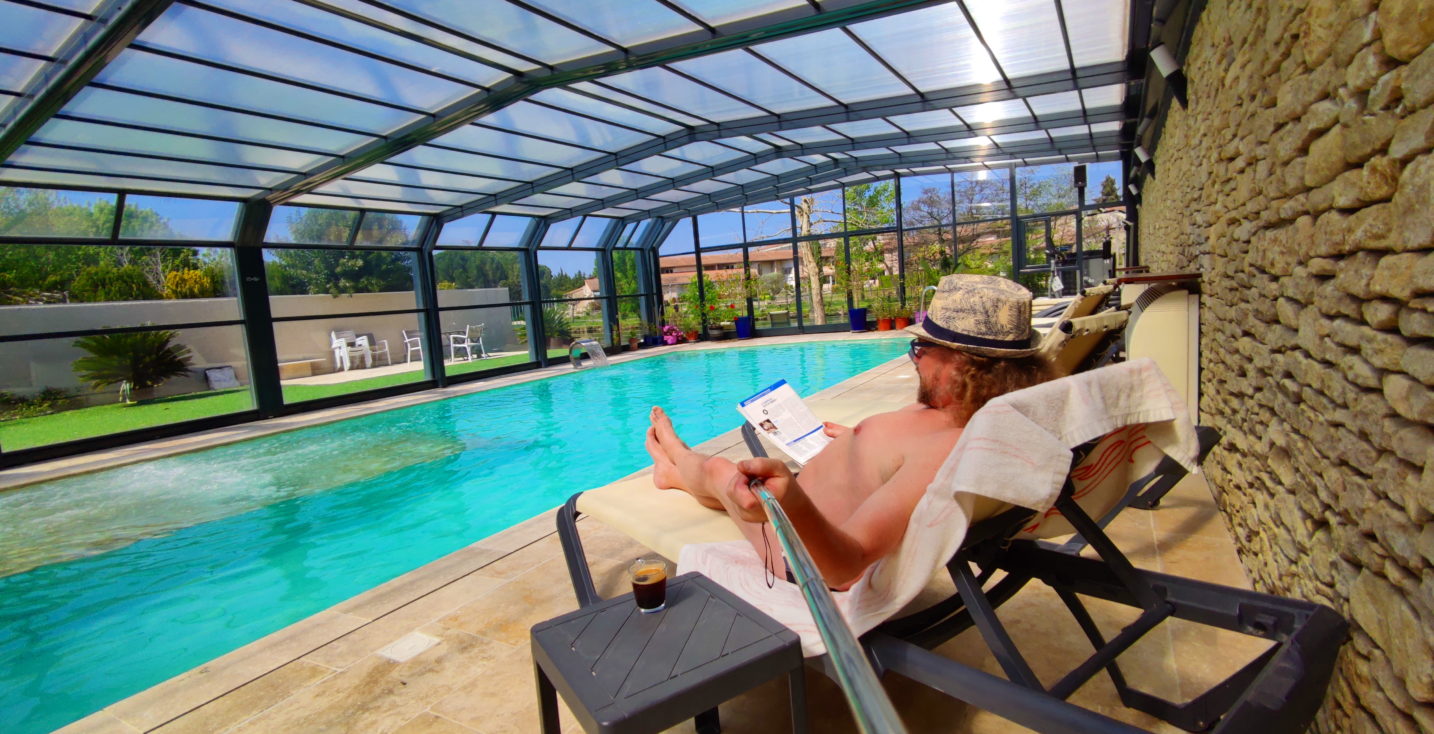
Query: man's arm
pixel 842 552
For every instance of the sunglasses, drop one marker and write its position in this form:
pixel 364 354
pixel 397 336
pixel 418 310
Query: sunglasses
pixel 918 347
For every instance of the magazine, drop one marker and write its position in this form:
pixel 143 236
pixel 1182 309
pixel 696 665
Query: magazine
pixel 779 414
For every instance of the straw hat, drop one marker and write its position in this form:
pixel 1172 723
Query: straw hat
pixel 980 314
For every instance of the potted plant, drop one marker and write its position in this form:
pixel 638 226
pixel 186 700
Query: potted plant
pixel 671 335
pixel 137 361
pixel 652 334
pixel 689 322
pixel 903 320
pixel 749 289
pixel 885 311
pixel 558 326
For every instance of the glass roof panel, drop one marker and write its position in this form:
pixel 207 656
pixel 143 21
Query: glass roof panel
pixel 559 234
pixel 551 201
pixel 661 85
pixel 465 232
pixel 865 127
pixel 916 147
pixel 135 184
pixel 752 79
pixel 507 231
pixel 591 233
pixel 578 103
pixel 432 33
pixel 667 113
pixel 83 6
pixel 302 225
pixel 1107 96
pixel 1097 30
pixel 707 187
pixel 925 120
pixel 548 123
pixel 1009 138
pixel 751 145
pixel 578 188
pixel 418 177
pixel 516 209
pixel 35 30
pixel 615 211
pixel 742 177
pixel 1003 111
pixel 1025 35
pixel 835 64
pixel 705 153
pixel 674 195
pixel 642 204
pixel 334 27
pixel 934 48
pixel 472 163
pixel 619 177
pixel 191 31
pixel 661 166
pixel 488 140
pixel 123 165
pixel 620 20
pixel 350 187
pixel 108 106
pixel 1055 104
pixel 781 165
pixel 108 137
pixel 152 73
pixel 505 25
pixel 719 12
pixel 807 135
pixel 15 71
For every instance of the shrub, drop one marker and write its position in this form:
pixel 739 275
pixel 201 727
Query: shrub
pixel 191 283
pixel 47 401
pixel 556 322
pixel 144 359
pixel 106 283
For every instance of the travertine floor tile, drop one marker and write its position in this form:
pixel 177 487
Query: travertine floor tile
pixel 508 612
pixel 503 697
pixel 384 598
pixel 100 722
pixel 247 700
pixel 428 723
pixel 377 694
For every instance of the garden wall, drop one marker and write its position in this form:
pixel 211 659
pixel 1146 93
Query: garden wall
pixel 1300 182
pixel 27 367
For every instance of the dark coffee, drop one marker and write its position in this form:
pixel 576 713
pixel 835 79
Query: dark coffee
pixel 649 587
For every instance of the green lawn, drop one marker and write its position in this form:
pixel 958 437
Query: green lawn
pixel 100 420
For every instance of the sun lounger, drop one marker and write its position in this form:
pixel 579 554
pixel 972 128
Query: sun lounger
pixel 1114 464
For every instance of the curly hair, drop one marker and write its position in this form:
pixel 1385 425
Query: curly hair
pixel 977 379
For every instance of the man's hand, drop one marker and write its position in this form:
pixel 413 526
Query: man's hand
pixel 776 478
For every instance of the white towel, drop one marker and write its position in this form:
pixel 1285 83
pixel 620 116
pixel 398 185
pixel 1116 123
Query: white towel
pixel 1016 449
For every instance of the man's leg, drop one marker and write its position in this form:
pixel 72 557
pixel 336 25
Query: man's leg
pixel 707 479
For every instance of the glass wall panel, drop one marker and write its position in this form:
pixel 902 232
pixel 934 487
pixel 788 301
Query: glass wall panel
pixel 57 390
pixel 28 212
pixel 1105 183
pixel 982 194
pixel 305 225
pixel 305 282
pixel 487 338
pixel 1045 188
pixel 925 200
pixel 984 247
pixel 679 239
pixel 458 272
pixel 381 229
pixel 819 213
pixel 928 256
pixel 465 232
pixel 590 235
pixel 629 321
pixel 560 234
pixel 870 205
pixel 54 288
pixel 567 321
pixel 568 274
pixel 719 228
pixel 342 354
pixel 625 272
pixel 507 231
pixel 774 285
pixel 166 218
pixel 767 221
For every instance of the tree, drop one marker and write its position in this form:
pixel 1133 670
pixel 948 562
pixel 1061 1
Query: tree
pixel 1109 193
pixel 334 271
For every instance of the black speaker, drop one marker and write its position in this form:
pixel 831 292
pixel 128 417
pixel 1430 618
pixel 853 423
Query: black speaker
pixel 1080 177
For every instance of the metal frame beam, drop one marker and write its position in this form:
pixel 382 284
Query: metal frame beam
pixel 1051 83
pixel 89 50
pixel 515 89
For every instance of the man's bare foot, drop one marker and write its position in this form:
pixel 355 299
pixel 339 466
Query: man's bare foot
pixel 664 472
pixel 666 434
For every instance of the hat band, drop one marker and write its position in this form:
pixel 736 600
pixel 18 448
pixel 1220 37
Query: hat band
pixel 956 337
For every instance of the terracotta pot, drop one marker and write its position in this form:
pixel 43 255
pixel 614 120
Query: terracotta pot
pixel 692 335
pixel 902 322
pixel 633 343
pixel 883 324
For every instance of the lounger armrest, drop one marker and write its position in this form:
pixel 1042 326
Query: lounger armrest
pixel 578 572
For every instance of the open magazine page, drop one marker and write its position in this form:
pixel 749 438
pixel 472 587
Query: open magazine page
pixel 778 413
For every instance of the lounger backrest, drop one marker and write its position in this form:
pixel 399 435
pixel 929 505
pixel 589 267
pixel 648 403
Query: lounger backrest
pixel 1102 478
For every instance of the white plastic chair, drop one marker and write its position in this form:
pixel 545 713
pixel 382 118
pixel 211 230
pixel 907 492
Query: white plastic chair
pixel 472 336
pixel 414 343
pixel 346 347
pixel 375 347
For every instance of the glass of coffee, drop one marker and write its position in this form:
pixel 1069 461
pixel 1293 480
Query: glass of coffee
pixel 649 583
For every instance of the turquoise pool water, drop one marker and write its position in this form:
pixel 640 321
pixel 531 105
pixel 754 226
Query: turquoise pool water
pixel 176 561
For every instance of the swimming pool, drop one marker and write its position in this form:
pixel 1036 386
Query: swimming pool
pixel 259 534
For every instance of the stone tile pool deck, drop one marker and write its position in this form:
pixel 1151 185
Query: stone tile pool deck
pixel 444 648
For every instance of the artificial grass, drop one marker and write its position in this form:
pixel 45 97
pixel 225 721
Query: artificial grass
pixel 100 420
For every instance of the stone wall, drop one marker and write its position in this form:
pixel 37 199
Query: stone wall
pixel 1300 182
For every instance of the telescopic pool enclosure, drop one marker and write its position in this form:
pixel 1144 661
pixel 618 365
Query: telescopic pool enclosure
pixel 235 209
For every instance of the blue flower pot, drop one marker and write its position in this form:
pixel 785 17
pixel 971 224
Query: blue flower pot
pixel 857 317
pixel 744 327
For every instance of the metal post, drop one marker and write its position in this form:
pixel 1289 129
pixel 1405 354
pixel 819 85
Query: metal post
pixel 701 289
pixel 426 283
pixel 254 306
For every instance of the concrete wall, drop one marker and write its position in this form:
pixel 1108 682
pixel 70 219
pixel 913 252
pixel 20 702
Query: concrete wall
pixel 27 367
pixel 1300 182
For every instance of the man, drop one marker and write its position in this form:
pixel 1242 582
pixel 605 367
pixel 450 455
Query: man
pixel 853 500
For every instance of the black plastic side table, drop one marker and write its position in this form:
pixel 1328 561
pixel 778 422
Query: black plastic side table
pixel 624 672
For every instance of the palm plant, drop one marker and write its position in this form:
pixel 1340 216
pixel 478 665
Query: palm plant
pixel 142 360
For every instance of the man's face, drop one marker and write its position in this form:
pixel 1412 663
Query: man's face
pixel 933 370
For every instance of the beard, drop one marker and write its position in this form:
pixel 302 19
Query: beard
pixel 934 396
